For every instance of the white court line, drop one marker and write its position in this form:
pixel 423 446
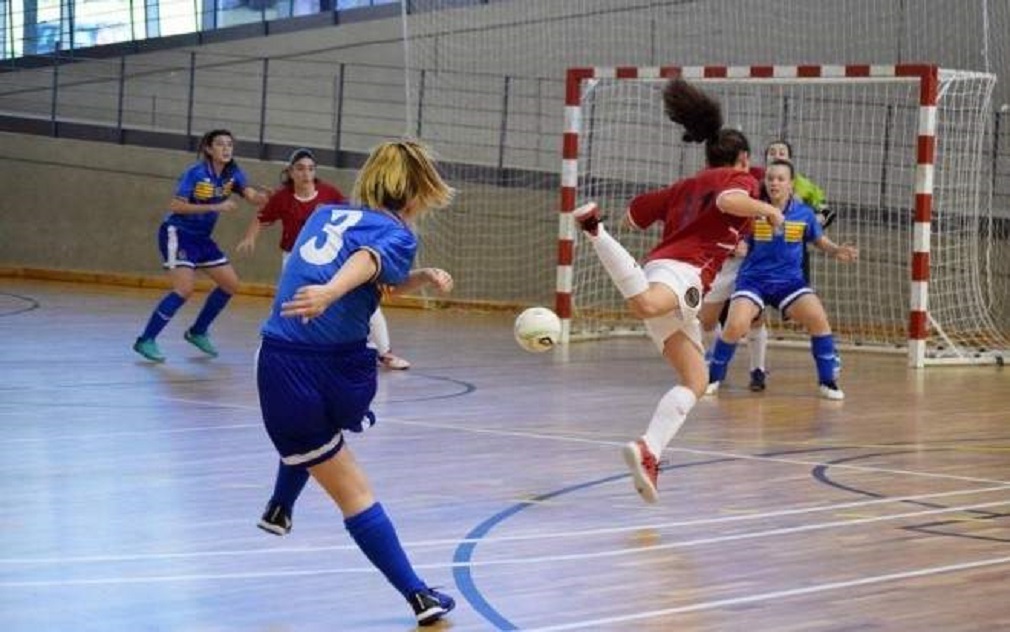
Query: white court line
pixel 509 561
pixel 710 453
pixel 505 539
pixel 780 594
pixel 707 453
pixel 127 433
pixel 536 435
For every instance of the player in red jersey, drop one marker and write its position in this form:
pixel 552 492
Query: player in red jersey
pixel 301 192
pixel 703 218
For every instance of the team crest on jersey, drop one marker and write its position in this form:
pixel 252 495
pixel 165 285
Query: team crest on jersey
pixel 795 231
pixel 203 190
pixel 692 297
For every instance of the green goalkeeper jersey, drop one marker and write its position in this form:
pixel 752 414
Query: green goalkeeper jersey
pixel 806 190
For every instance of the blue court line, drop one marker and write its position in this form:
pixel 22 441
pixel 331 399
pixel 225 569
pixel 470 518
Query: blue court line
pixel 31 304
pixel 464 552
pixel 463 555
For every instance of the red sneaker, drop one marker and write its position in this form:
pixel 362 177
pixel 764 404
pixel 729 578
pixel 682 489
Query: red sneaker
pixel 644 469
pixel 588 217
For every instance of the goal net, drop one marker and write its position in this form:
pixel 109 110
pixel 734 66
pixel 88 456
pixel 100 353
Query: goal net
pixel 900 151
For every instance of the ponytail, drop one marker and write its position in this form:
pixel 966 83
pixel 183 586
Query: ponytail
pixel 701 117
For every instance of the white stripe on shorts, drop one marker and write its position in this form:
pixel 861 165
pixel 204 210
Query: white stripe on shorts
pixel 298 459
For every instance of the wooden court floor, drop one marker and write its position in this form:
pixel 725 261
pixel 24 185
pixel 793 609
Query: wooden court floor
pixel 131 490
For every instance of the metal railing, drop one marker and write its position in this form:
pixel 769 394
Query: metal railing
pixel 77 26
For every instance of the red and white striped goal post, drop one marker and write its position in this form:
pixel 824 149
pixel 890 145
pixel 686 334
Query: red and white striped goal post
pixel 928 77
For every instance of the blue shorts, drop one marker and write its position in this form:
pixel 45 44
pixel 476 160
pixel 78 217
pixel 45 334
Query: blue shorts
pixel 778 294
pixel 310 394
pixel 182 249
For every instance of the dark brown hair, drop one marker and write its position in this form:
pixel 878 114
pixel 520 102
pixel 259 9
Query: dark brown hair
pixel 783 163
pixel 701 117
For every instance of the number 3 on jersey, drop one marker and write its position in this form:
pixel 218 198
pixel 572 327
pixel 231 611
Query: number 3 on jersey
pixel 333 233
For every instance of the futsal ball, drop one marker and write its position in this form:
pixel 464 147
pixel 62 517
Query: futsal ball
pixel 538 329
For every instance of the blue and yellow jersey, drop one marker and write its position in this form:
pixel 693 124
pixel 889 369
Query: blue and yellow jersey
pixel 777 255
pixel 200 185
pixel 330 236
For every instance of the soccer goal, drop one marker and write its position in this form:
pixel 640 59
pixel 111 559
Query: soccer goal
pixel 900 150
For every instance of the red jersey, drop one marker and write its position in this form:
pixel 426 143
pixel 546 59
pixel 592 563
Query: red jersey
pixel 284 206
pixel 695 231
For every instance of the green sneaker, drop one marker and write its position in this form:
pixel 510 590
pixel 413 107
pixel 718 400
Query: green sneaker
pixel 149 349
pixel 201 342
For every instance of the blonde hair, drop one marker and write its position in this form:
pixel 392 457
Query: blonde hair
pixel 401 176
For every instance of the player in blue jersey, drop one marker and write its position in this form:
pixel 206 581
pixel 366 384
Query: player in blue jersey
pixel 315 373
pixel 203 192
pixel 772 274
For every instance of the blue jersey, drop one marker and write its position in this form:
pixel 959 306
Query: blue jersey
pixel 776 257
pixel 331 235
pixel 200 185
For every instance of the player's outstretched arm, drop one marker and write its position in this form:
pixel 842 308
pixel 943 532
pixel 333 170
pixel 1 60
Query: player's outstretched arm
pixel 844 252
pixel 435 277
pixel 248 242
pixel 742 205
pixel 312 300
pixel 255 195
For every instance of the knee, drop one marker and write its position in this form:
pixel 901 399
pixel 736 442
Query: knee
pixel 643 307
pixel 817 325
pixel 185 290
pixel 229 287
pixel 734 331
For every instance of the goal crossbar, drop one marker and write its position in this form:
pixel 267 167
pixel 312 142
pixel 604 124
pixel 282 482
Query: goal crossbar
pixel 920 196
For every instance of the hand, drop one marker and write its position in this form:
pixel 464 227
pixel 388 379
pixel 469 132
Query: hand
pixel 847 253
pixel 261 196
pixel 742 248
pixel 439 279
pixel 227 205
pixel 774 216
pixel 308 302
pixel 246 246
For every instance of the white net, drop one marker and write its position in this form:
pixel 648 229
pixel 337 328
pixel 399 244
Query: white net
pixel 486 90
pixel 857 139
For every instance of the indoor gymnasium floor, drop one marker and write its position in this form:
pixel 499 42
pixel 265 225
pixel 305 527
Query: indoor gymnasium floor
pixel 132 490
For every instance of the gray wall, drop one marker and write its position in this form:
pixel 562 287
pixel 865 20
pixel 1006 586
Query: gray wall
pixel 487 82
pixel 88 206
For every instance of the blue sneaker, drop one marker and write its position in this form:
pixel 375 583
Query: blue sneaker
pixel 430 605
pixel 148 348
pixel 201 342
pixel 757 380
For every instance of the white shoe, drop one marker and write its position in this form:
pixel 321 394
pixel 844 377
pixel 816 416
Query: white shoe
pixel 712 388
pixel 831 391
pixel 393 362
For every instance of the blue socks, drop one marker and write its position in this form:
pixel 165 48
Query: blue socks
pixel 377 539
pixel 163 313
pixel 823 350
pixel 289 485
pixel 216 301
pixel 722 354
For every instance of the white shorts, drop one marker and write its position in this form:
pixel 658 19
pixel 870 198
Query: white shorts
pixel 724 282
pixel 685 281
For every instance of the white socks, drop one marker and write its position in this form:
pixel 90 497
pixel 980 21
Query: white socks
pixel 757 344
pixel 668 418
pixel 624 271
pixel 378 331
